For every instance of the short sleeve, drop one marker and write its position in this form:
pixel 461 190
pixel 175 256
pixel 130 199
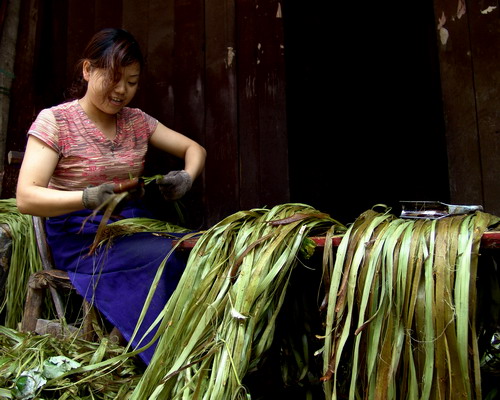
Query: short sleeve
pixel 45 128
pixel 137 123
pixel 151 122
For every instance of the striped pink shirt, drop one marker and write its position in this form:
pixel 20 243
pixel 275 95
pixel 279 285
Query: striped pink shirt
pixel 86 156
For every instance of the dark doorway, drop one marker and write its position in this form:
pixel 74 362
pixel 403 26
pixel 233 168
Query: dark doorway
pixel 365 119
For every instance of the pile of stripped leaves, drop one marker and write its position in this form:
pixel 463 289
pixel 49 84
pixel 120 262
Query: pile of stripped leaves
pixel 220 321
pixel 45 367
pixel 401 319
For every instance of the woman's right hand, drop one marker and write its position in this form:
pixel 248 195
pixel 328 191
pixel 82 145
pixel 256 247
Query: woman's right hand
pixel 95 196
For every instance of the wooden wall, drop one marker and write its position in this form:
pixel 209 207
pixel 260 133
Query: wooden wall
pixel 469 54
pixel 341 109
pixel 215 72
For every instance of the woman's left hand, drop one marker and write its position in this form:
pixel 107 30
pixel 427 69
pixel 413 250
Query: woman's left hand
pixel 175 184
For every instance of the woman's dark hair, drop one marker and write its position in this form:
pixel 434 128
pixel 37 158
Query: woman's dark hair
pixel 109 49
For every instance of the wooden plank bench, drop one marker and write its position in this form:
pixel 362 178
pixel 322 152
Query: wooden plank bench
pixel 489 240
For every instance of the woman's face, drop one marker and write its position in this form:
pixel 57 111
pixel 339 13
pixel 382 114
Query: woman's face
pixel 121 93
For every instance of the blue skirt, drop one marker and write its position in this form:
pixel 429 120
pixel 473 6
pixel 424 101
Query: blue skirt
pixel 117 278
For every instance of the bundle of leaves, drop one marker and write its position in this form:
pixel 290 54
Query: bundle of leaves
pixel 401 319
pixel 401 313
pixel 220 321
pixel 24 261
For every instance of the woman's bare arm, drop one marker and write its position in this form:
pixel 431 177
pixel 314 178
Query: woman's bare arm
pixel 32 195
pixel 180 146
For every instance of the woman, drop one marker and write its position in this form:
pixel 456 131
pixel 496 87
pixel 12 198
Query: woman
pixel 76 154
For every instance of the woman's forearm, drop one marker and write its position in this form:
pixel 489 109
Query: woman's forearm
pixel 194 160
pixel 44 202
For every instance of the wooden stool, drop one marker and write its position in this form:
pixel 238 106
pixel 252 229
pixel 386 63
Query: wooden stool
pixel 53 280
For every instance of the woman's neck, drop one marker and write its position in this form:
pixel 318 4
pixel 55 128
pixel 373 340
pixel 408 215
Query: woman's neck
pixel 105 122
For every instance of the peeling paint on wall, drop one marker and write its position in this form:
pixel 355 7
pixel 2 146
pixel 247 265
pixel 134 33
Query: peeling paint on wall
pixel 444 35
pixel 250 87
pixel 271 85
pixel 488 10
pixel 443 32
pixel 230 57
pixel 460 9
pixel 441 21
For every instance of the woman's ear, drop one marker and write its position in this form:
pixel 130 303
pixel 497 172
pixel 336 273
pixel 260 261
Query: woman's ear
pixel 86 68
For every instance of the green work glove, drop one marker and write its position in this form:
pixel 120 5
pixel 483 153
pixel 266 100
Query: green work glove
pixel 94 196
pixel 175 184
